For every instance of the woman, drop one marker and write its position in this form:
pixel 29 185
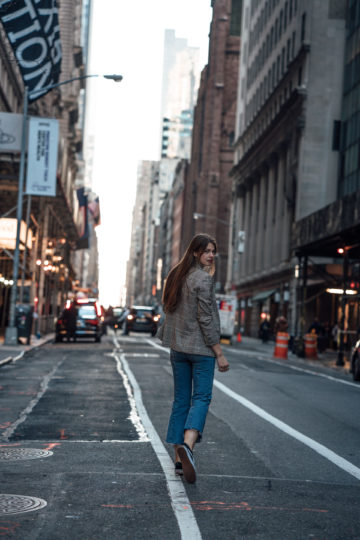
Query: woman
pixel 192 331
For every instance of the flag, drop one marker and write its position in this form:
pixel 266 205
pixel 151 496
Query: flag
pixel 32 28
pixel 83 228
pixel 94 208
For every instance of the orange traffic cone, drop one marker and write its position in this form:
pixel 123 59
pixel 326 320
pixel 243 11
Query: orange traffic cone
pixel 239 337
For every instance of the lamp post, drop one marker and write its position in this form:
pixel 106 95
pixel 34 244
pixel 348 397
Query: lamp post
pixel 11 333
pixel 196 216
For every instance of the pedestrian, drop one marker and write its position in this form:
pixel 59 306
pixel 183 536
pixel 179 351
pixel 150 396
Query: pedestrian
pixel 192 331
pixel 69 316
pixel 281 324
pixel 264 331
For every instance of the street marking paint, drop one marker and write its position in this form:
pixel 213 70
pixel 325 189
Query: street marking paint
pixel 24 414
pixel 307 441
pixel 319 448
pixel 179 501
pixel 221 505
pixel 8 528
pixel 141 355
pixel 133 416
pixel 295 368
pixel 51 446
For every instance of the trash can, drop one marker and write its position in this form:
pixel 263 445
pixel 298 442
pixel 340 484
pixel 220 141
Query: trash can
pixel 24 319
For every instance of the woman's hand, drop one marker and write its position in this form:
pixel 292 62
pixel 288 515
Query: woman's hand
pixel 223 364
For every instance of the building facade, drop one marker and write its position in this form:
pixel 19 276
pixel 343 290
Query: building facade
pixel 286 160
pixel 141 270
pixel 330 235
pixel 208 186
pixel 48 271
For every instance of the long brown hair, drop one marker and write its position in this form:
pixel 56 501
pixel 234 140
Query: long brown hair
pixel 177 275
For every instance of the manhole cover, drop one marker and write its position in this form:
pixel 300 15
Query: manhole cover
pixel 14 454
pixel 17 504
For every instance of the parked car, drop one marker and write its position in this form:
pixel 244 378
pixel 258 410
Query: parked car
pixel 355 361
pixel 81 318
pixel 141 319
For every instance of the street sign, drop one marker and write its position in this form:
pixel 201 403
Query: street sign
pixel 42 156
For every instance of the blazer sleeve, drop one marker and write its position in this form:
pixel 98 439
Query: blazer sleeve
pixel 205 311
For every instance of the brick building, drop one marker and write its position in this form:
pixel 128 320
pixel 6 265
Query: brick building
pixel 208 186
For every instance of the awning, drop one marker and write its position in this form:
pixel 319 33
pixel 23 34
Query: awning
pixel 263 295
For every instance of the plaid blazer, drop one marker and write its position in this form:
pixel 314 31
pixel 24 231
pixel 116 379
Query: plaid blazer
pixel 195 325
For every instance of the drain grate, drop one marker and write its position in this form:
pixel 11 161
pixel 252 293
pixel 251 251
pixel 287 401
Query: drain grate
pixel 18 504
pixel 15 454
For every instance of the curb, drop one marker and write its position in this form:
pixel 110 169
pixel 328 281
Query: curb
pixel 6 360
pixel 10 359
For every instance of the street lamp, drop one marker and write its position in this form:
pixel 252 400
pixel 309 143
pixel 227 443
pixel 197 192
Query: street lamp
pixel 196 216
pixel 11 334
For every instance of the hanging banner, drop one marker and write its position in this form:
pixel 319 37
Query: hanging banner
pixel 42 156
pixel 83 222
pixel 32 27
pixel 10 132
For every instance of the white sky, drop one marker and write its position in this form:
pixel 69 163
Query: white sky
pixel 127 38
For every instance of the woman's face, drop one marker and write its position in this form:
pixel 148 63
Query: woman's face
pixel 207 257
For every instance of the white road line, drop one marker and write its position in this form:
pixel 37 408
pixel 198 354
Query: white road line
pixel 133 416
pixel 179 500
pixel 317 447
pixel 315 373
pixel 7 433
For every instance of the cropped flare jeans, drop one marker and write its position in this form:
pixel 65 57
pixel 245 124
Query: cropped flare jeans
pixel 193 383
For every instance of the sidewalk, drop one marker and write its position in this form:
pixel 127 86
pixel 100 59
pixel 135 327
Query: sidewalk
pixel 326 359
pixel 9 353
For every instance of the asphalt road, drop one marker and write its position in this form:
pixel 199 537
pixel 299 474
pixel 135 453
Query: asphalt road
pixel 82 452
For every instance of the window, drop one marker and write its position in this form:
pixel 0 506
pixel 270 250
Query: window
pixel 285 14
pixel 235 21
pixel 300 76
pixel 303 27
pixel 288 52
pixel 293 45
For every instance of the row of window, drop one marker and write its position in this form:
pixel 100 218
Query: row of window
pixel 285 16
pixel 351 103
pixel 266 119
pixel 268 84
pixel 352 74
pixel 350 184
pixel 279 66
pixel 353 46
pixel 351 130
pixel 353 16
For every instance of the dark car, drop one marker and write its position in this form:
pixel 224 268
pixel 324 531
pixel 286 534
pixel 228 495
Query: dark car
pixel 141 319
pixel 355 361
pixel 81 318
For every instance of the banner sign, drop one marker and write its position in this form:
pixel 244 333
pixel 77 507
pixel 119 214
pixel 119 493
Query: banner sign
pixel 94 208
pixel 42 156
pixel 83 223
pixel 32 27
pixel 10 132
